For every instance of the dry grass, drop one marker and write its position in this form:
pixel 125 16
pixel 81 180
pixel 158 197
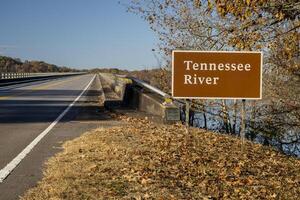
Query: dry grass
pixel 148 161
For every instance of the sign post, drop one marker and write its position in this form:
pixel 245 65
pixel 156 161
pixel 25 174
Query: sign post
pixel 187 115
pixel 217 75
pixel 243 121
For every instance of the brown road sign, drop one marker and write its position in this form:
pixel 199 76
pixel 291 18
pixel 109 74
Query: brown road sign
pixel 217 74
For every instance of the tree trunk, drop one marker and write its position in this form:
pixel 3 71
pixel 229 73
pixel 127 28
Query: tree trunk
pixel 187 114
pixel 235 105
pixel 204 114
pixel 226 118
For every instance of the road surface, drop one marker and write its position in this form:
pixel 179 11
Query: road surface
pixel 35 119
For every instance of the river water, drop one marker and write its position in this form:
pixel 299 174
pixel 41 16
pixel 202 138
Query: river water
pixel 288 143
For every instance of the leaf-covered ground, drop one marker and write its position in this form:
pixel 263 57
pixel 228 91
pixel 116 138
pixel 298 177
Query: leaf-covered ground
pixel 142 160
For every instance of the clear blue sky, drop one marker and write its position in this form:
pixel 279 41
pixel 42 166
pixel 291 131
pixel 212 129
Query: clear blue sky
pixel 77 33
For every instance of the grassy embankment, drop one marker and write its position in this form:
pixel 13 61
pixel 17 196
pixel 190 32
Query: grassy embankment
pixel 142 160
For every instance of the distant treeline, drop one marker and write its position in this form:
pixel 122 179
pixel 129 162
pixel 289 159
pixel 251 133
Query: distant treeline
pixel 15 65
pixel 108 70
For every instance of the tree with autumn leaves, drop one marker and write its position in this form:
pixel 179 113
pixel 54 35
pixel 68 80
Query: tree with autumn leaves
pixel 271 26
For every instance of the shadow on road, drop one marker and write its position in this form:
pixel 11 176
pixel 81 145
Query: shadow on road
pixel 46 105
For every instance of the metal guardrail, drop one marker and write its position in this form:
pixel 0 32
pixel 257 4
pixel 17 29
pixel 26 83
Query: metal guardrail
pixel 5 76
pixel 13 75
pixel 155 90
pixel 150 87
pixel 167 97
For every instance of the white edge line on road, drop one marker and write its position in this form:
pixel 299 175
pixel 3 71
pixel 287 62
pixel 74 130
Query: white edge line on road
pixel 16 161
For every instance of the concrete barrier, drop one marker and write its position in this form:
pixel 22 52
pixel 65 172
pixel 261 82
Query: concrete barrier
pixel 135 96
pixel 151 103
pixel 117 84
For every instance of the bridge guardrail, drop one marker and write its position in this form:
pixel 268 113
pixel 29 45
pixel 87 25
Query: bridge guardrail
pixel 150 87
pixel 11 75
pixel 18 78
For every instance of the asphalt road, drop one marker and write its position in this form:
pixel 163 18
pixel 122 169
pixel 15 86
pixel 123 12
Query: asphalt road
pixel 29 110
